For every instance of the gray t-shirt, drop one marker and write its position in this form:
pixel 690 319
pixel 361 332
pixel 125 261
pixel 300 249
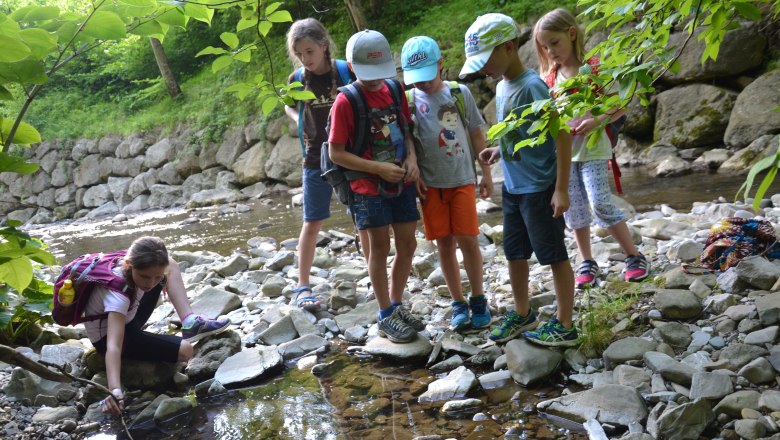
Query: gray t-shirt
pixel 446 160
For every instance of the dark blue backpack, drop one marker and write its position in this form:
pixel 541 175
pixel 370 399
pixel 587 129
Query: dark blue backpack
pixel 343 71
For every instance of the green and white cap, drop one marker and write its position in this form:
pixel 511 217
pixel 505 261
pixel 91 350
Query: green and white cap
pixel 487 32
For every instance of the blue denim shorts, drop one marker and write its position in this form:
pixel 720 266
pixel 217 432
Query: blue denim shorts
pixel 316 195
pixel 375 211
pixel 529 227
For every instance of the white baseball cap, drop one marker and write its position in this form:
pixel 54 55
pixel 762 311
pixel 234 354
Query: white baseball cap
pixel 369 53
pixel 484 35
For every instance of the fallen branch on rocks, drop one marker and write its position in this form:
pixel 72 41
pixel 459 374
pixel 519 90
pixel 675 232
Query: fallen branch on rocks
pixel 13 357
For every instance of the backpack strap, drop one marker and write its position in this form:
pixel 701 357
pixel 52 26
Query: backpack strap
pixel 343 69
pixel 298 76
pixel 460 105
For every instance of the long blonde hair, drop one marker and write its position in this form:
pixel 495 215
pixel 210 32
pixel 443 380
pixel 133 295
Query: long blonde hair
pixel 312 29
pixel 557 20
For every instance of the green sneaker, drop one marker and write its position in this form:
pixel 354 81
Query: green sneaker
pixel 512 325
pixel 554 334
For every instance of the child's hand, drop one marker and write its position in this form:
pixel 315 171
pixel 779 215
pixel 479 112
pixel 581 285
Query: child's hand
pixel 422 188
pixel 111 406
pixel 585 126
pixel 390 172
pixel 486 186
pixel 559 203
pixel 489 156
pixel 412 172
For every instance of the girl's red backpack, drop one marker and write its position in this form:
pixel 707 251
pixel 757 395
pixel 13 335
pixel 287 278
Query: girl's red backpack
pixel 87 272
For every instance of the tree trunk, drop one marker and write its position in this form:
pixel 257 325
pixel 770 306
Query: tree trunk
pixel 356 15
pixel 165 69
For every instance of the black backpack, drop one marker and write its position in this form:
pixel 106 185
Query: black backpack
pixel 337 176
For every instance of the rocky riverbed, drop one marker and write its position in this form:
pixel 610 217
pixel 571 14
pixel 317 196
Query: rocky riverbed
pixel 688 356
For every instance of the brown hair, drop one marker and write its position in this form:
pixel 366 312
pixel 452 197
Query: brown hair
pixel 312 29
pixel 145 252
pixel 557 20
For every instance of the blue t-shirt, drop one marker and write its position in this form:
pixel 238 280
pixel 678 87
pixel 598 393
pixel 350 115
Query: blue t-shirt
pixel 530 169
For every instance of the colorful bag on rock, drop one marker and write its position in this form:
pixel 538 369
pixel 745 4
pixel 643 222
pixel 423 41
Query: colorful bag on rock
pixel 734 238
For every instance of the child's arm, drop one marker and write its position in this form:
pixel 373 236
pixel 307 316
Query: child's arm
pixel 588 124
pixel 489 156
pixel 560 199
pixel 412 171
pixel 478 143
pixel 292 112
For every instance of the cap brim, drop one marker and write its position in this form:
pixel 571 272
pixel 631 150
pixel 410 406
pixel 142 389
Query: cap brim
pixel 421 74
pixel 370 72
pixel 475 63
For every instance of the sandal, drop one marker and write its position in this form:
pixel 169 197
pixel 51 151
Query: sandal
pixel 308 302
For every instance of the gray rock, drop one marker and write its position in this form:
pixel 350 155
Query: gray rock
pixel 301 346
pixel 454 386
pixel 345 294
pixel 669 368
pixel 210 353
pixel 758 371
pixel 147 414
pixel 96 195
pixel 634 377
pixel 279 332
pixel 214 302
pixel 363 314
pixel 677 304
pixel 764 336
pixel 419 348
pixel 302 323
pixel 733 404
pixel 164 196
pixel 768 307
pixel 614 404
pixel 710 385
pixel 738 355
pixel 161 152
pixel 769 400
pixel 285 159
pixel 210 197
pixel 758 272
pixel 495 379
pixel 62 354
pixel 356 333
pixel 88 171
pixel 461 406
pixel 673 333
pixel 273 286
pixel 232 266
pixel 349 273
pixel 51 416
pixel 739 312
pixel 749 429
pixel 248 365
pixel 24 385
pixel 170 408
pixel 627 349
pixel 450 344
pixel 530 363
pixel 685 422
pixel 233 145
pixel 280 260
pixel 747 121
pixel 250 166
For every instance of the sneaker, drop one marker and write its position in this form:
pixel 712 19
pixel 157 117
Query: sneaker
pixel 513 325
pixel 586 273
pixel 480 312
pixel 637 268
pixel 395 329
pixel 412 321
pixel 554 334
pixel 203 327
pixel 460 315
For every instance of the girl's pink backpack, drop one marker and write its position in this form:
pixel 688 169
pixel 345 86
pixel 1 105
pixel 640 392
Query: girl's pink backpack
pixel 87 272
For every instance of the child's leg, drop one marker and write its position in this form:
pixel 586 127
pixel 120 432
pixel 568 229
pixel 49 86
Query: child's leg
pixel 578 216
pixel 596 181
pixel 405 244
pixel 365 244
pixel 563 279
pixel 518 278
pixel 449 266
pixel 472 262
pixel 379 243
pixel 307 243
pixel 623 236
pixel 582 237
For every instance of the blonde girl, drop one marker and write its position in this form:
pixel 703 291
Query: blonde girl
pixel 560 50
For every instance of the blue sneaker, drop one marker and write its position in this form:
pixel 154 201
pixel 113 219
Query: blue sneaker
pixel 554 334
pixel 203 327
pixel 480 312
pixel 513 325
pixel 460 315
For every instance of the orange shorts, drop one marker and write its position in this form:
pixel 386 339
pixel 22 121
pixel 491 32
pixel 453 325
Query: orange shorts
pixel 450 211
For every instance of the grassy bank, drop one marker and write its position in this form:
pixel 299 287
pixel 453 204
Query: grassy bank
pixel 69 109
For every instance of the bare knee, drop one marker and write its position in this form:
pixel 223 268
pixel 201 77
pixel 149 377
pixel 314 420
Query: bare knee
pixel 185 351
pixel 446 244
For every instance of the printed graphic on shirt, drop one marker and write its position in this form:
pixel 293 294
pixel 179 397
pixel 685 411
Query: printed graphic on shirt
pixel 448 142
pixel 387 140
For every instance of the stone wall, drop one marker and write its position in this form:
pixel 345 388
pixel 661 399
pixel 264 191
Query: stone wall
pixel 715 116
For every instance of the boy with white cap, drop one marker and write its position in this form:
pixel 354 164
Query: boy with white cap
pixel 447 174
pixel 382 177
pixel 536 184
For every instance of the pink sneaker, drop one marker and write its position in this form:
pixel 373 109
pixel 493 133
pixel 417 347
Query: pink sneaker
pixel 637 268
pixel 586 272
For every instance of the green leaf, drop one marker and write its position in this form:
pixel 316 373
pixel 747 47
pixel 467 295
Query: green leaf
pixel 244 56
pixel 761 191
pixel 5 94
pixel 105 25
pixel 25 133
pixel 13 49
pixel 173 17
pixel 40 13
pixel 140 3
pixel 199 12
pixel 264 27
pixel 151 28
pixel 280 17
pixel 269 104
pixel 40 42
pixel 211 51
pixel 753 172
pixel 28 71
pixel 272 7
pixel 230 39
pixel 17 273
pixel 14 164
pixel 242 89
pixel 246 23
pixel 221 62
pixel 747 10
pixel 19 14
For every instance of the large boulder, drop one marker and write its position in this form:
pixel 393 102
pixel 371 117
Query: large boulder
pixel 285 159
pixel 250 166
pixel 160 153
pixel 752 115
pixel 131 146
pixel 88 171
pixel 97 195
pixel 248 365
pixel 741 161
pixel 609 403
pixel 693 116
pixel 233 145
pixel 530 363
